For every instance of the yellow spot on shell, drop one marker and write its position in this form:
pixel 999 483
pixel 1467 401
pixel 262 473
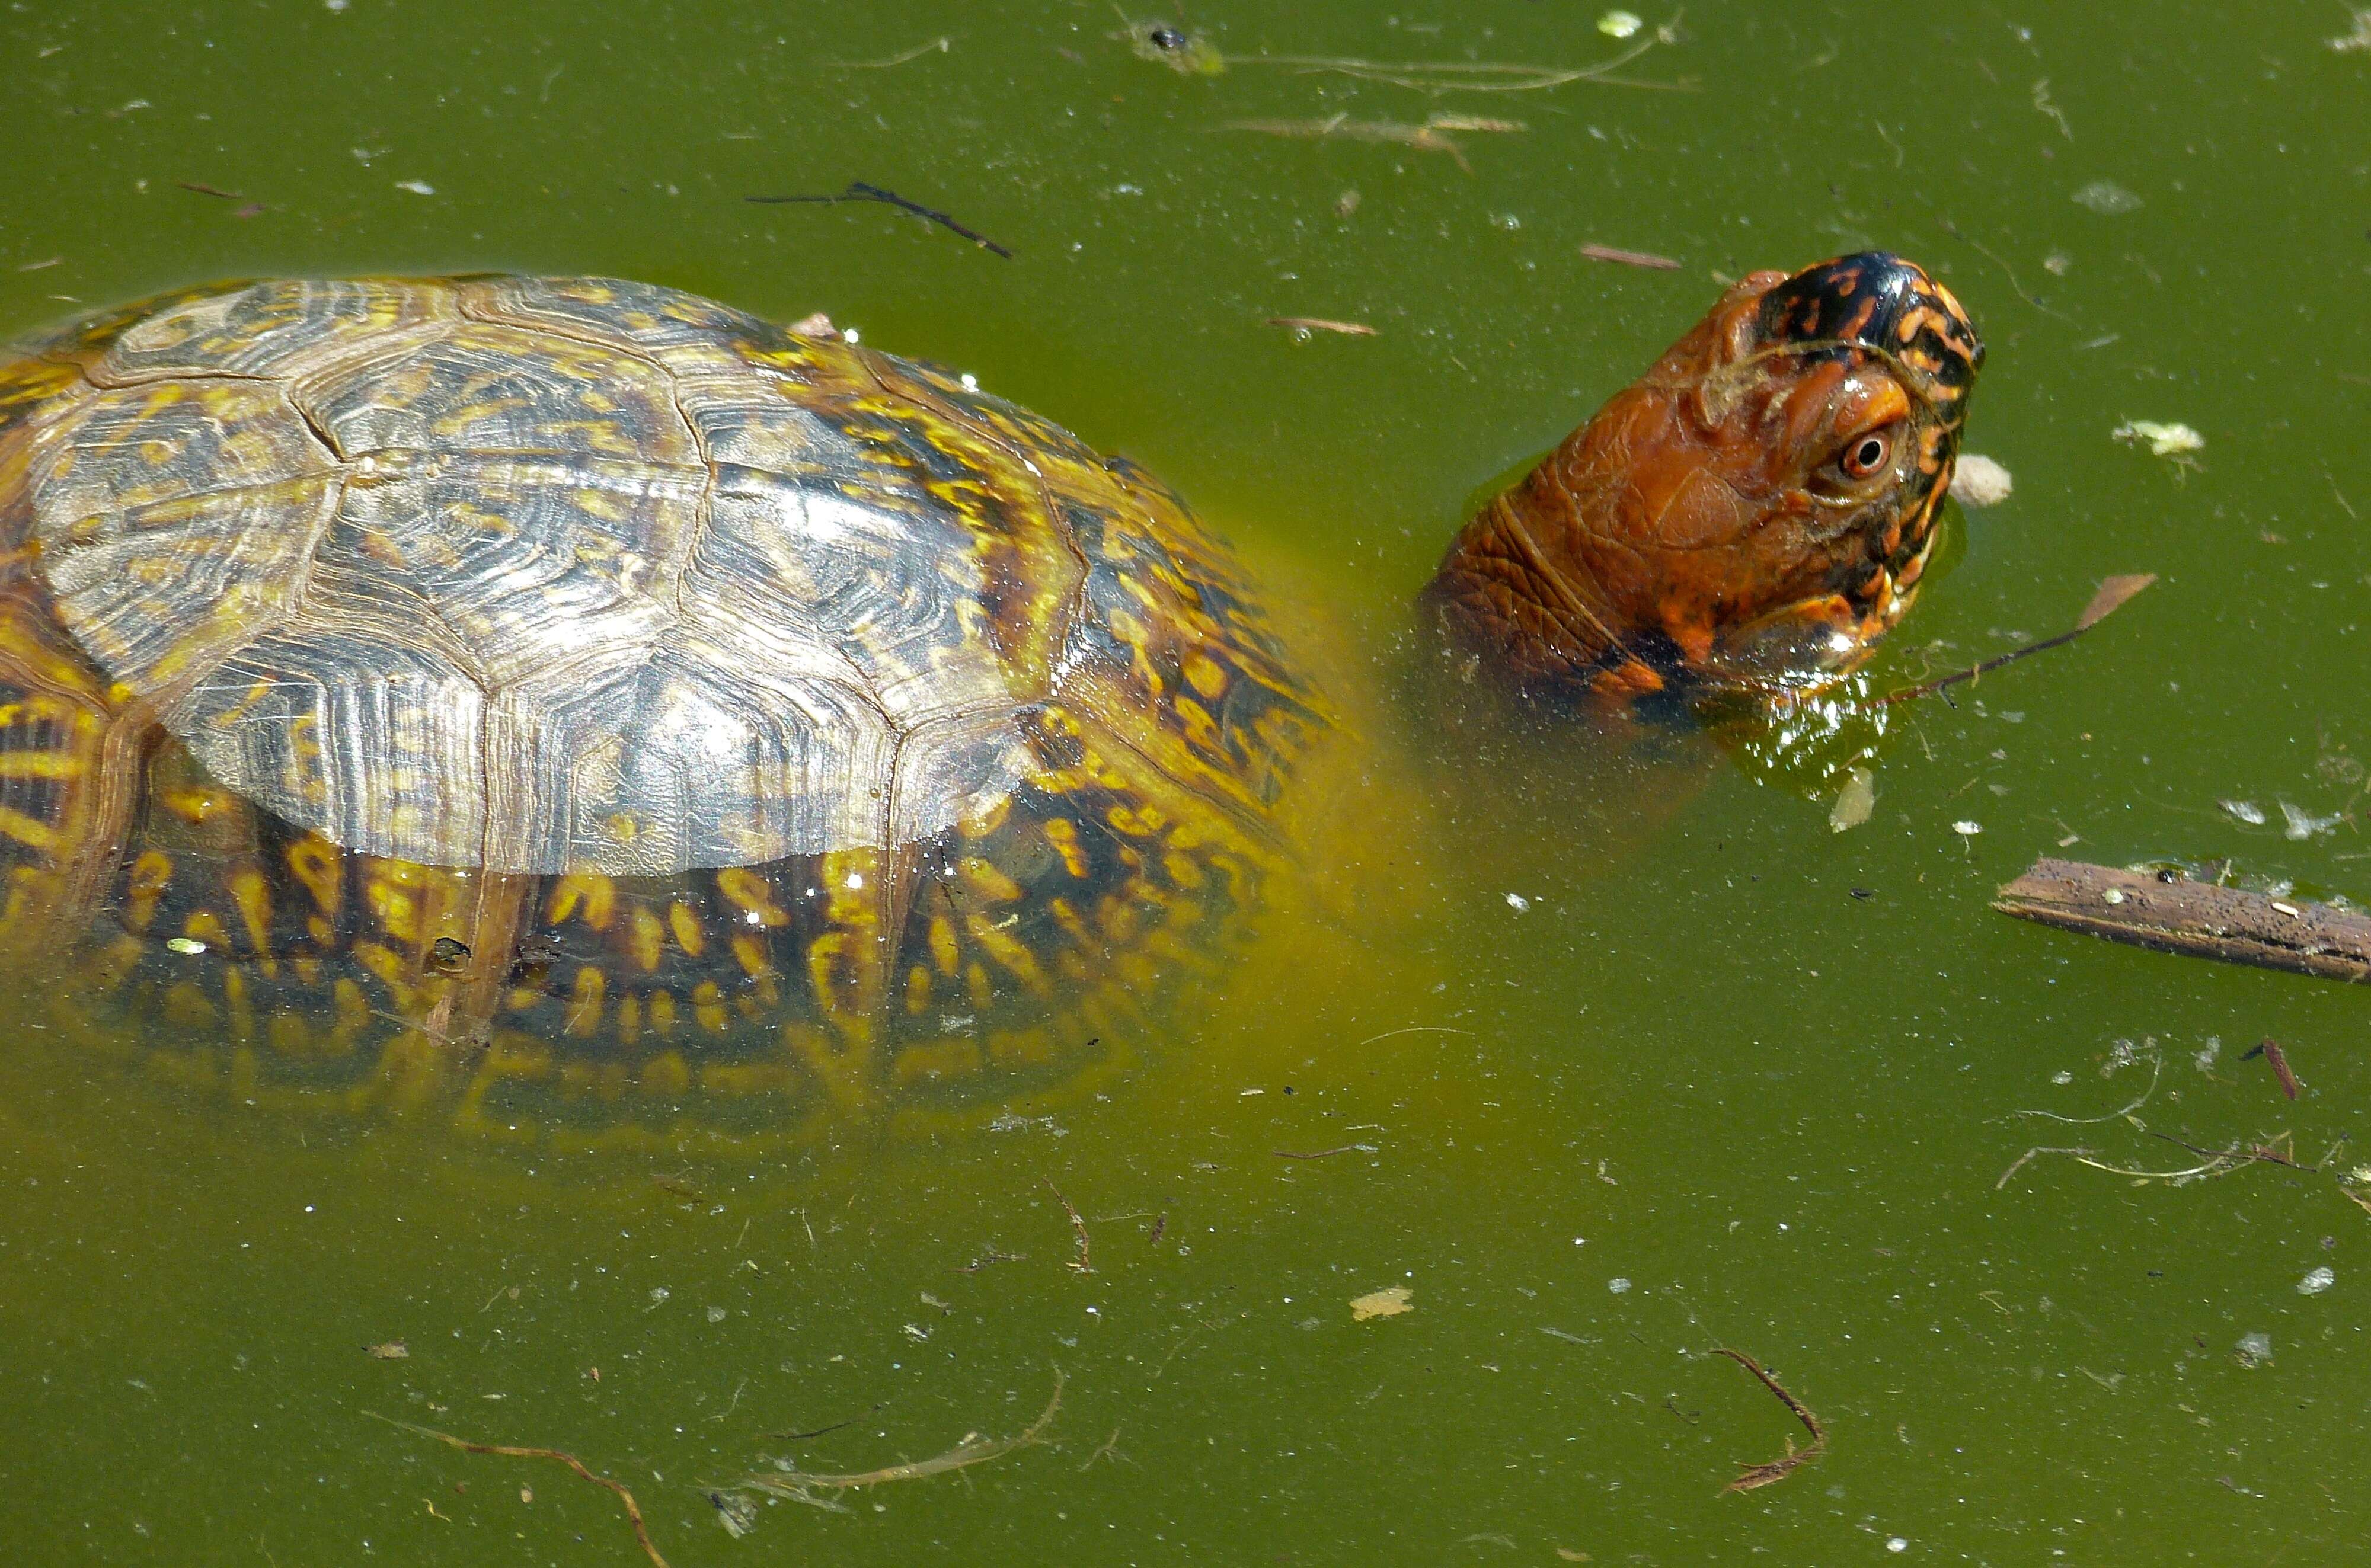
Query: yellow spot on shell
pixel 662 1013
pixel 1206 676
pixel 150 872
pixel 649 937
pixel 253 899
pixel 584 1014
pixel 41 765
pixel 28 830
pixel 313 861
pixel 1063 834
pixel 750 953
pixel 597 896
pixel 748 891
pixel 944 947
pixel 708 1007
pixel 666 1074
pixel 984 881
pixel 686 926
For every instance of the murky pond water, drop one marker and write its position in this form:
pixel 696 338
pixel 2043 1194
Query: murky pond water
pixel 1736 1079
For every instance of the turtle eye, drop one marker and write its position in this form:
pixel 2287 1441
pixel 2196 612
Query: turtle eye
pixel 1868 454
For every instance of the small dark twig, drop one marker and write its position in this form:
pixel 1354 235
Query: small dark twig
pixel 634 1510
pixel 1777 1469
pixel 2274 1057
pixel 2111 596
pixel 858 191
pixel 1078 1227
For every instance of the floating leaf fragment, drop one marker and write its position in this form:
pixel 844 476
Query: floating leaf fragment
pixel 2314 1283
pixel 2164 440
pixel 1595 252
pixel 2300 825
pixel 2111 597
pixel 1855 801
pixel 2107 196
pixel 1980 480
pixel 393 1350
pixel 2245 811
pixel 1305 324
pixel 1387 1303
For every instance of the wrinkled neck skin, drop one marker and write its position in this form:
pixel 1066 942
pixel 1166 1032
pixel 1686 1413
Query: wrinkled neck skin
pixel 1668 548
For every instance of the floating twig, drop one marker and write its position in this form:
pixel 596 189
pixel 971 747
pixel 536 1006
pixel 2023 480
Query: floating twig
pixel 2113 592
pixel 1193 55
pixel 1777 1469
pixel 1323 1153
pixel 991 1255
pixel 2157 1070
pixel 940 44
pixel 1319 324
pixel 1432 136
pixel 2172 913
pixel 1078 1227
pixel 858 191
pixel 2270 1050
pixel 1629 258
pixel 810 1487
pixel 634 1510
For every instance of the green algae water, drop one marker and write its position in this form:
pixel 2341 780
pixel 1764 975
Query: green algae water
pixel 1732 1079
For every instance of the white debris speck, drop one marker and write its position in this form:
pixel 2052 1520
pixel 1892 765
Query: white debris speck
pixel 2107 196
pixel 1855 801
pixel 2113 895
pixel 1619 24
pixel 2062 1076
pixel 658 1294
pixel 2164 440
pixel 1896 1543
pixel 2255 1349
pixel 716 1314
pixel 1617 1285
pixel 417 187
pixel 2206 1057
pixel 1980 480
pixel 848 334
pixel 2314 1283
pixel 970 382
pixel 189 946
pixel 2301 825
pixel 2245 811
pixel 1518 903
pixel 855 882
pixel 2357 41
pixel 1967 828
pixel 336 4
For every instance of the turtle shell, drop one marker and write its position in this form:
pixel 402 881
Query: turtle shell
pixel 543 696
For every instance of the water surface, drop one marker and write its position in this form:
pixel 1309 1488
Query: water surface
pixel 1748 1082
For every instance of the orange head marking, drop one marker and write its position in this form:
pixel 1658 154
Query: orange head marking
pixel 1755 512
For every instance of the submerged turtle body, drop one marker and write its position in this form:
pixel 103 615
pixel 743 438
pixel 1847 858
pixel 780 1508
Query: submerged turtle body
pixel 585 708
pixel 541 697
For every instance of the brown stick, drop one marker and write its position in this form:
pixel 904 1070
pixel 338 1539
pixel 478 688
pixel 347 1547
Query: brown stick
pixel 2195 918
pixel 1754 1476
pixel 633 1511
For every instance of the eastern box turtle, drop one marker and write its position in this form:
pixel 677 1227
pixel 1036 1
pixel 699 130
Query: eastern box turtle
pixel 569 703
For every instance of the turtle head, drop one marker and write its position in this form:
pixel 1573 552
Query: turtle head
pixel 1754 513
